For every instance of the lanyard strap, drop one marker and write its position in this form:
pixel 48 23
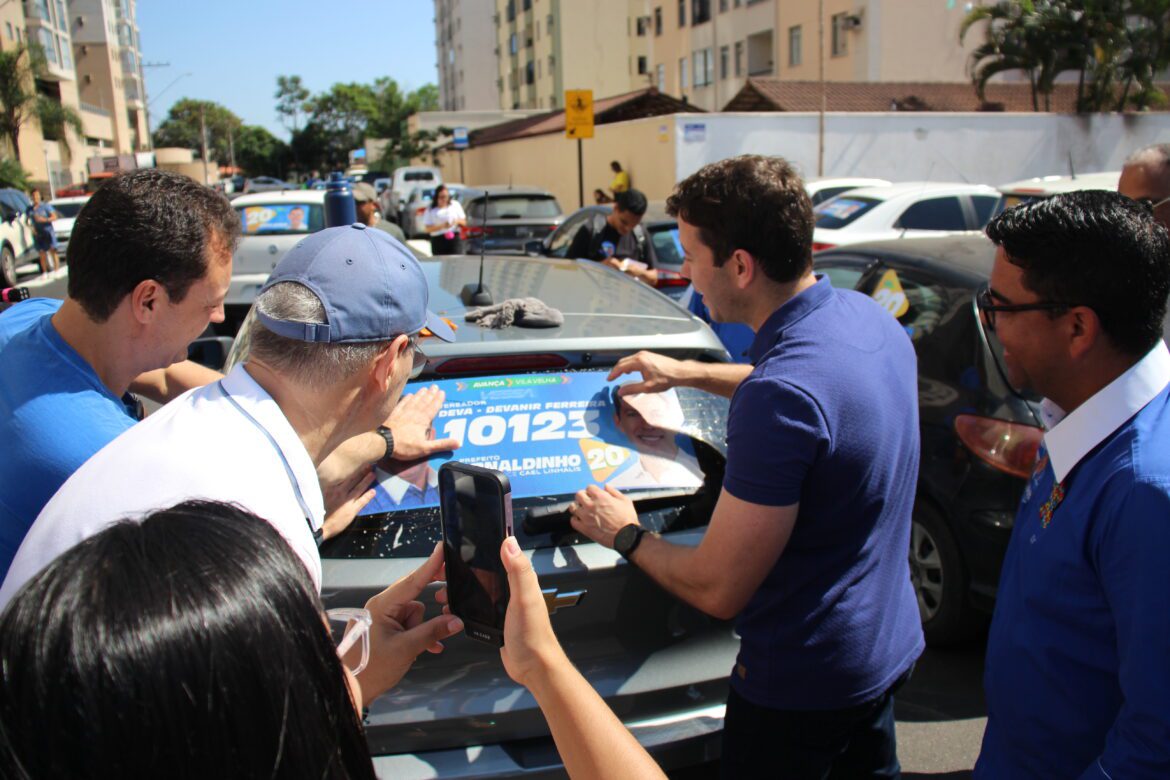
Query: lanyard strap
pixel 280 453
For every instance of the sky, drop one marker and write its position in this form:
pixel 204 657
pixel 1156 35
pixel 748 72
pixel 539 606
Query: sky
pixel 232 52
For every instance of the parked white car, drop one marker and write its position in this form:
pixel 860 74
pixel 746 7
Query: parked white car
pixel 1018 192
pixel 820 190
pixel 16 234
pixel 272 222
pixel 68 209
pixel 403 181
pixel 906 210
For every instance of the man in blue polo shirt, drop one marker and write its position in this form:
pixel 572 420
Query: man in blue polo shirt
pixel 1077 672
pixel 807 544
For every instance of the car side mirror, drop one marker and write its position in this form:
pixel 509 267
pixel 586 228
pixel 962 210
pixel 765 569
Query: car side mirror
pixel 534 248
pixel 210 351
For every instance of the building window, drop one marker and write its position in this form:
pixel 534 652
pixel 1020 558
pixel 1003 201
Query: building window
pixel 738 59
pixel 700 11
pixel 510 11
pixel 658 21
pixel 704 67
pixel 640 25
pixel 642 66
pixel 794 53
pixel 660 76
pixel 724 56
pixel 552 101
pixel 759 53
pixel 840 41
pixel 513 44
pixel 548 24
pixel 682 73
pixel 530 73
pixel 682 13
pixel 722 6
pixel 47 44
pixel 9 26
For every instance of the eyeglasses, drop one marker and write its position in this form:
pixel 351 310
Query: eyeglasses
pixel 1153 204
pixel 990 308
pixel 349 626
pixel 420 358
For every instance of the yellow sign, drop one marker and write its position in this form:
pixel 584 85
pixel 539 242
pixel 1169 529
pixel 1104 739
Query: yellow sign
pixel 578 113
pixel 890 295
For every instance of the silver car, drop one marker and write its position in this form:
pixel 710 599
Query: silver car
pixel 659 663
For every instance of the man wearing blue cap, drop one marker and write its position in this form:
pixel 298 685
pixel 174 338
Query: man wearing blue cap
pixel 336 338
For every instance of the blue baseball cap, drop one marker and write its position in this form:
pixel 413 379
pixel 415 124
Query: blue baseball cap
pixel 372 287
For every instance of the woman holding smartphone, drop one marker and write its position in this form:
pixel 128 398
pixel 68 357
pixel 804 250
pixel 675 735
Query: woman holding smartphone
pixel 193 644
pixel 442 222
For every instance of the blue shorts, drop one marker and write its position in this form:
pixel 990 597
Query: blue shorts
pixel 46 241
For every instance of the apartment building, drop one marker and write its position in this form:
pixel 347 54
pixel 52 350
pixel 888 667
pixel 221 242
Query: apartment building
pixel 548 46
pixel 76 37
pixel 704 50
pixel 465 43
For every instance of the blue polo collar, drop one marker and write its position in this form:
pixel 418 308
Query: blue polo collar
pixel 793 311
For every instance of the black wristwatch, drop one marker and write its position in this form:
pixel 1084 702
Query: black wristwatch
pixel 386 434
pixel 627 539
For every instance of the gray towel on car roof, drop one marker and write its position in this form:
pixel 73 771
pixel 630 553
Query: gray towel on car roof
pixel 521 312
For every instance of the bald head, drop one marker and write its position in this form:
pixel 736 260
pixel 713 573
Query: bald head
pixel 1147 175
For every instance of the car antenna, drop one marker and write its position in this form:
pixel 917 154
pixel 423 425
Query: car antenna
pixel 1072 172
pixel 477 294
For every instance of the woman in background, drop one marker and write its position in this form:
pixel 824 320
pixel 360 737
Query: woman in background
pixel 442 222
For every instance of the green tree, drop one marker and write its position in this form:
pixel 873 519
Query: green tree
pixel 19 100
pixel 291 97
pixel 259 152
pixel 182 127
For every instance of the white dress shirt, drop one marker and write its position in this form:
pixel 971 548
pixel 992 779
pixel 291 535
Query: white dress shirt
pixel 199 446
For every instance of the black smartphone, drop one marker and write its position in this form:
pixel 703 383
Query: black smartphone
pixel 476 509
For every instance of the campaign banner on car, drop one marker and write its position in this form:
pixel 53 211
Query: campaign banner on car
pixel 552 434
pixel 270 219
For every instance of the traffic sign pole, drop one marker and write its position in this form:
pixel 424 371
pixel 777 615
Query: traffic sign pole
pixel 580 176
pixel 579 125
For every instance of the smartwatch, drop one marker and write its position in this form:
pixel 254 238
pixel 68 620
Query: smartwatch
pixel 388 436
pixel 627 539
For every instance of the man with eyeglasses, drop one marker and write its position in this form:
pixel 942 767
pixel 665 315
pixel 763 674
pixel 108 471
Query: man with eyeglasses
pixel 1146 177
pixel 1077 674
pixel 333 345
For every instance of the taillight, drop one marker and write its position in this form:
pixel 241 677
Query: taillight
pixel 418 212
pixel 671 279
pixel 500 364
pixel 820 245
pixel 1005 446
pixel 474 231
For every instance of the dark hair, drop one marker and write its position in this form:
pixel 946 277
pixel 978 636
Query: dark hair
pixel 1097 249
pixel 754 203
pixel 631 200
pixel 440 188
pixel 615 166
pixel 190 645
pixel 145 224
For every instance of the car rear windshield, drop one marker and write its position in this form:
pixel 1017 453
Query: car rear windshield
pixel 514 207
pixel 840 211
pixel 67 210
pixel 553 434
pixel 281 219
pixel 418 176
pixel 667 248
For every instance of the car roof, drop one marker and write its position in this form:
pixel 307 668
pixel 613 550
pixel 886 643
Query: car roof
pixel 913 189
pixel 971 254
pixel 280 196
pixel 815 185
pixel 1051 185
pixel 603 309
pixel 506 189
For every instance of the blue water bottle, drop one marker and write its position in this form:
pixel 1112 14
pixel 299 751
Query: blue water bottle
pixel 339 206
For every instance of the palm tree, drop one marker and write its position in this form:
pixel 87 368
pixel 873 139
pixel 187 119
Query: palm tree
pixel 20 101
pixel 1007 46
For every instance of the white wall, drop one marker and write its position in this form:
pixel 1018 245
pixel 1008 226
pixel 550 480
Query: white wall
pixel 988 148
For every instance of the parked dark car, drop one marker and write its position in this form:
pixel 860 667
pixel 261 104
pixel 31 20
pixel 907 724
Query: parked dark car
pixel 515 216
pixel 660 664
pixel 979 437
pixel 657 237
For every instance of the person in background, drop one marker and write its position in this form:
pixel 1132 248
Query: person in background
pixel 150 262
pixel 815 575
pixel 1076 676
pixel 193 644
pixel 600 198
pixel 621 179
pixel 610 238
pixel 365 198
pixel 313 180
pixel 443 220
pixel 1146 176
pixel 44 235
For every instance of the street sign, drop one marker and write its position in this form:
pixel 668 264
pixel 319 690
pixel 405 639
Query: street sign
pixel 460 136
pixel 578 113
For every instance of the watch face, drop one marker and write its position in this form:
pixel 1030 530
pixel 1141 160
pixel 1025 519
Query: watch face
pixel 625 539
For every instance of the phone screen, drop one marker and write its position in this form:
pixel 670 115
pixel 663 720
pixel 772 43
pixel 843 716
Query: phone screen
pixel 474 525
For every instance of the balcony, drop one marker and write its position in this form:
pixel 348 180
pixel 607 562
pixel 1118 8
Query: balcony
pixel 759 54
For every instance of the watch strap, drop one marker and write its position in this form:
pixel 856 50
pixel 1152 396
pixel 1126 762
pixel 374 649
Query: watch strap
pixel 638 533
pixel 388 436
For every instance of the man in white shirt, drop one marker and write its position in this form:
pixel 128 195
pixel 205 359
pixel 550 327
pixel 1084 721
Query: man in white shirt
pixel 335 340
